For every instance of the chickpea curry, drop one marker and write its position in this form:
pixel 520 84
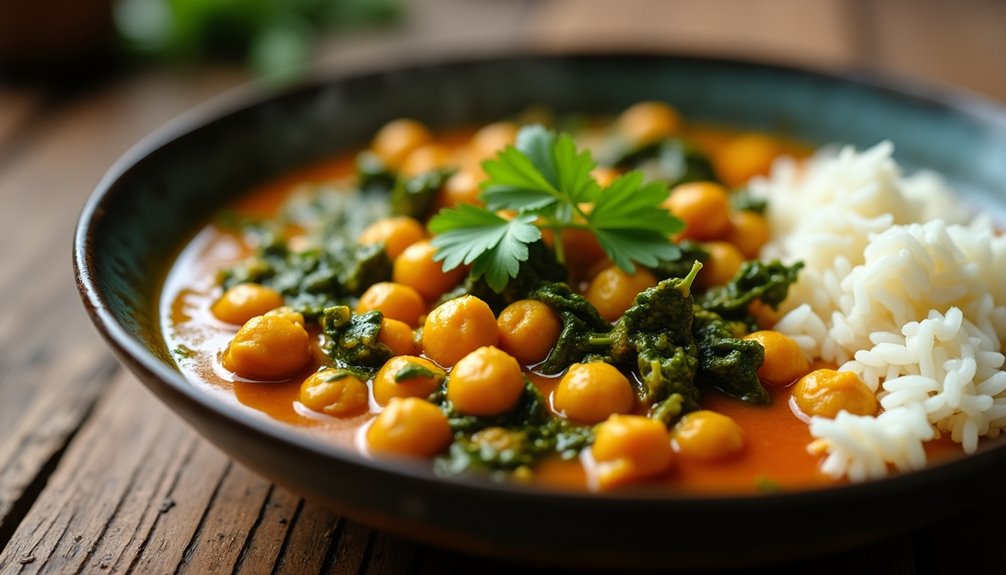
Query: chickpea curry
pixel 578 307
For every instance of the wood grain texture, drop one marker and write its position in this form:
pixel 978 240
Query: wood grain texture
pixel 17 107
pixel 52 364
pixel 138 491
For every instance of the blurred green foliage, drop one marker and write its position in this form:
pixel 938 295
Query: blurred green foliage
pixel 275 37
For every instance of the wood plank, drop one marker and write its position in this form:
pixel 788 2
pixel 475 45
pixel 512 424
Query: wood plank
pixel 164 500
pixel 265 541
pixel 52 364
pixel 949 42
pixel 224 529
pixel 314 532
pixel 70 150
pixel 351 551
pixel 17 107
pixel 102 482
pixel 391 554
pixel 32 449
pixel 813 32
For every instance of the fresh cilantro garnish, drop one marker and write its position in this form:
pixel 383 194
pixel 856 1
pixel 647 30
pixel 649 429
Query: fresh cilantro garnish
pixel 547 182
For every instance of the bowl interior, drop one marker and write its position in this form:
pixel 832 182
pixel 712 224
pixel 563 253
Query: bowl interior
pixel 165 189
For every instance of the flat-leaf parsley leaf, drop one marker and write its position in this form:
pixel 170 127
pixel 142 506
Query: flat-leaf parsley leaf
pixel 549 184
pixel 494 246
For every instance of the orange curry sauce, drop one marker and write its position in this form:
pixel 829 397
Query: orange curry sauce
pixel 775 456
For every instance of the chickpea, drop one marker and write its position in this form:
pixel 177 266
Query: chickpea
pixel 708 436
pixel 427 158
pixel 415 268
pixel 398 336
pixel 784 360
pixel 397 139
pixel 744 157
pixel 749 232
pixel 245 301
pixel 287 313
pixel 492 138
pixel 703 206
pixel 486 382
pixel 724 262
pixel 581 248
pixel 396 233
pixel 458 327
pixel 612 291
pixel 647 122
pixel 528 330
pixel 764 314
pixel 826 392
pixel 593 271
pixel 334 392
pixel 395 301
pixel 409 426
pixel 629 448
pixel 268 348
pixel 591 392
pixel 406 376
pixel 460 188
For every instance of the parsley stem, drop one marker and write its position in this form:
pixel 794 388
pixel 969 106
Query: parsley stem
pixel 557 229
pixel 579 212
pixel 560 252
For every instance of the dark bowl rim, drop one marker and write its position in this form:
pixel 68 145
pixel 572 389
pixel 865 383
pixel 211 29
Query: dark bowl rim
pixel 131 351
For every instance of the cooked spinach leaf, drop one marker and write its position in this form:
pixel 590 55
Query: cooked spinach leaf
pixel 765 281
pixel 353 338
pixel 742 200
pixel 673 160
pixel 584 331
pixel 413 371
pixel 414 197
pixel 314 279
pixel 656 334
pixel 691 252
pixel 727 362
pixel 373 175
pixel 515 439
pixel 540 266
pixel 653 337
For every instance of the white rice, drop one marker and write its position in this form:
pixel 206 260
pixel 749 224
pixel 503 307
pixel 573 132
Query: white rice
pixel 899 290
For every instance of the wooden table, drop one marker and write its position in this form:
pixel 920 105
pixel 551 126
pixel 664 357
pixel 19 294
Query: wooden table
pixel 98 476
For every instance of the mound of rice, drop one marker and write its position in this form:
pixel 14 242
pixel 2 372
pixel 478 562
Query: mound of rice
pixel 899 288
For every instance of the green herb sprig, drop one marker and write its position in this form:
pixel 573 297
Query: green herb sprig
pixel 548 184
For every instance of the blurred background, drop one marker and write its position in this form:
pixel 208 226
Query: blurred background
pixel 959 42
pixel 59 51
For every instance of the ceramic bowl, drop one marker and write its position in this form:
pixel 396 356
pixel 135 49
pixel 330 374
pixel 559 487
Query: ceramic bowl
pixel 168 186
